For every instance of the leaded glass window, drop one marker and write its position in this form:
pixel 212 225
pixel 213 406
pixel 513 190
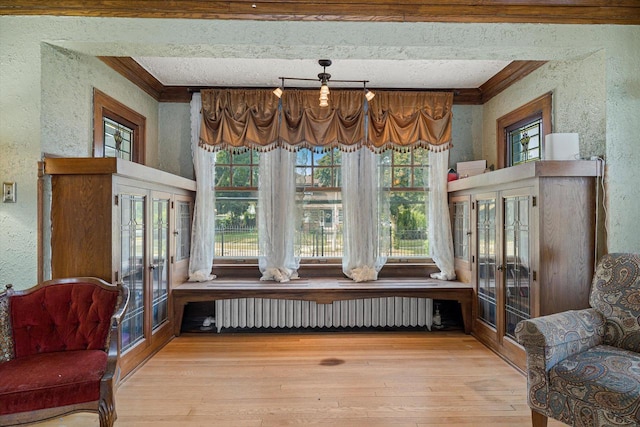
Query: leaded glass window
pixel 524 142
pixel 118 140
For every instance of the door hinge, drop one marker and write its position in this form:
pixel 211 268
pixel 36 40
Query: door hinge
pixel 171 259
pixel 534 276
pixel 172 204
pixel 473 259
pixel 116 201
pixel 534 201
pixel 117 276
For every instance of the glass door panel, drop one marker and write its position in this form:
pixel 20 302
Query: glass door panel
pixel 183 230
pixel 132 226
pixel 517 262
pixel 461 230
pixel 159 261
pixel 486 224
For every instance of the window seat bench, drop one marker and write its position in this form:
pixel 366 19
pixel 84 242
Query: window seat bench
pixel 322 290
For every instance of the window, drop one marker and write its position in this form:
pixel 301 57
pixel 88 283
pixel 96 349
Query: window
pixel 318 179
pixel 521 132
pixel 118 131
pixel 236 203
pixel 523 141
pixel 407 203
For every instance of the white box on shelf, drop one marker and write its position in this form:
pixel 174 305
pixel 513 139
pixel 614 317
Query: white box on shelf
pixel 475 167
pixel 562 146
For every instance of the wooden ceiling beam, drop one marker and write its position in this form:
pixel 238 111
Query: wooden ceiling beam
pixel 625 12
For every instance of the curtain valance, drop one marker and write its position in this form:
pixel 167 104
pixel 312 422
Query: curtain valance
pixel 238 119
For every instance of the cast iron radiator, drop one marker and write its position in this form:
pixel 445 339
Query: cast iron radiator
pixel 279 313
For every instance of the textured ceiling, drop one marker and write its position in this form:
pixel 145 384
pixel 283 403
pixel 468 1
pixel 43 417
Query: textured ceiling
pixel 381 73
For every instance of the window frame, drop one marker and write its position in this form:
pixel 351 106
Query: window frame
pixel 106 106
pixel 531 111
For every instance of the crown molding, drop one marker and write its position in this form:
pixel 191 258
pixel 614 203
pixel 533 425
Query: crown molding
pixel 510 74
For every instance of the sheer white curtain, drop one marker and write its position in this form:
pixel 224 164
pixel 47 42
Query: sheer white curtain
pixel 203 229
pixel 365 206
pixel 277 216
pixel 440 238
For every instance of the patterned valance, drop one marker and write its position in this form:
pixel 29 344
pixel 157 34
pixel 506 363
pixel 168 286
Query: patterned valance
pixel 239 119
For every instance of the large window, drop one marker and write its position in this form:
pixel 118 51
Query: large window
pixel 318 182
pixel 407 203
pixel 521 132
pixel 236 203
pixel 118 131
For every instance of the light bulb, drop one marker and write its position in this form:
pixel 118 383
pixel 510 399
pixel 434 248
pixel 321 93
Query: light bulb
pixel 369 95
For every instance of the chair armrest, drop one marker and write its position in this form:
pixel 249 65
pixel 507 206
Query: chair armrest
pixel 113 345
pixel 560 335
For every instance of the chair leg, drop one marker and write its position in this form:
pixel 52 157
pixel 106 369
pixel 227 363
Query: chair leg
pixel 537 419
pixel 107 412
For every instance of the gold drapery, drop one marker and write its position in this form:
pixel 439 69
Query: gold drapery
pixel 238 119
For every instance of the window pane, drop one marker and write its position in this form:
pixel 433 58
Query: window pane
pixel 401 177
pixel 524 142
pixel 321 229
pixel 401 158
pixel 223 158
pixel 242 158
pixel 223 176
pixel 183 239
pixel 419 177
pixel 241 176
pixel 409 224
pixel 117 139
pixel 236 231
pixel 323 177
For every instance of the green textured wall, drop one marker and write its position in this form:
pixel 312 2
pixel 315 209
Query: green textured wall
pixel 44 92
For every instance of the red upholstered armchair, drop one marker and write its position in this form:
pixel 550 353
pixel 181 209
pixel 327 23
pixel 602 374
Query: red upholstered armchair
pixel 59 349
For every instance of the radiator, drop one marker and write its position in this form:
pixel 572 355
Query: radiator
pixel 279 313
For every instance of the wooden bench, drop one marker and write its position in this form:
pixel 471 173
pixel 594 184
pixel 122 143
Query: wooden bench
pixel 322 291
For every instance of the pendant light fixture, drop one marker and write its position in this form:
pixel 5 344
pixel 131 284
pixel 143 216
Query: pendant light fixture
pixel 324 78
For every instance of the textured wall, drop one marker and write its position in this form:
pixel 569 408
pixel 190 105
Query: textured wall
pixel 579 50
pixel 174 139
pixel 19 152
pixel 68 79
pixel 466 132
pixel 578 102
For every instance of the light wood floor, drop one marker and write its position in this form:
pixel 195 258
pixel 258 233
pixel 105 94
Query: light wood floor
pixel 321 379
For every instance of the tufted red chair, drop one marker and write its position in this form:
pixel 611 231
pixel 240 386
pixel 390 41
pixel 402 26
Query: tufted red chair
pixel 59 349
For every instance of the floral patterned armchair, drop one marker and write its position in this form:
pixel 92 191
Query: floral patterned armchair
pixel 583 366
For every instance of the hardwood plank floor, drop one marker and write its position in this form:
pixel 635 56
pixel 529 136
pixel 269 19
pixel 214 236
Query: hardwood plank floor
pixel 322 379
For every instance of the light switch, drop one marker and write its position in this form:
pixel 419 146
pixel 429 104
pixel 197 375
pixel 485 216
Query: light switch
pixel 9 192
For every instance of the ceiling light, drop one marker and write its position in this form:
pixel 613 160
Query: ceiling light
pixel 324 78
pixel 367 93
pixel 279 90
